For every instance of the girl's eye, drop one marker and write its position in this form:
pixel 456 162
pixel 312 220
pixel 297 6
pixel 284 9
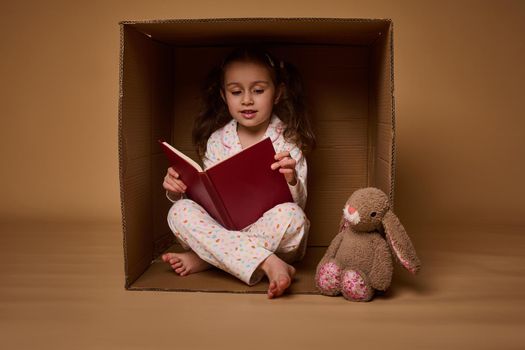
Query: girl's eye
pixel 235 92
pixel 259 91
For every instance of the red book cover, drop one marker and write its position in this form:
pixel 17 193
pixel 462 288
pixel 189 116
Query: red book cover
pixel 238 190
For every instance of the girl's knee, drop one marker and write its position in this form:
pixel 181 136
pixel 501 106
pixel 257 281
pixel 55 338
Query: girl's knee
pixel 291 208
pixel 181 207
pixel 179 211
pixel 294 212
pixel 177 220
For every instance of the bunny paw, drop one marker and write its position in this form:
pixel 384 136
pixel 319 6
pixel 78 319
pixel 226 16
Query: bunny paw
pixel 354 287
pixel 328 279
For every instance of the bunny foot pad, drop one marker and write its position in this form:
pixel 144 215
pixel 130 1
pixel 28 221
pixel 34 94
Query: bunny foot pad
pixel 354 287
pixel 329 279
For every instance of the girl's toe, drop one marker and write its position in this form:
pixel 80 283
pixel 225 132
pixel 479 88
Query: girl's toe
pixel 271 289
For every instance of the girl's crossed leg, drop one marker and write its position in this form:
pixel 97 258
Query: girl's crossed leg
pixel 247 254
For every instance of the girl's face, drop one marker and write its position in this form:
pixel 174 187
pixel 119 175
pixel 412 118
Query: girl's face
pixel 250 95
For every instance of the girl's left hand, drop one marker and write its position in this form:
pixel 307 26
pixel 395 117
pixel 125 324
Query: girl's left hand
pixel 286 165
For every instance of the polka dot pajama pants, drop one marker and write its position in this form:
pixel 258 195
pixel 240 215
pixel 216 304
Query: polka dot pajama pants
pixel 282 230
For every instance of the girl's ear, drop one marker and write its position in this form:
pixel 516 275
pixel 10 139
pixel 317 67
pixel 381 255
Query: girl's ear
pixel 222 95
pixel 399 242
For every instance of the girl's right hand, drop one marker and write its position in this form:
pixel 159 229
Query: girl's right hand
pixel 172 183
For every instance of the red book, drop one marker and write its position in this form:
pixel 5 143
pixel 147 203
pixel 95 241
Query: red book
pixel 236 191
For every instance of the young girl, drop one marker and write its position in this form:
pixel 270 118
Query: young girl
pixel 251 96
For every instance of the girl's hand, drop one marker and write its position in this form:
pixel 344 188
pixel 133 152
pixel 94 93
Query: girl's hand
pixel 172 182
pixel 286 165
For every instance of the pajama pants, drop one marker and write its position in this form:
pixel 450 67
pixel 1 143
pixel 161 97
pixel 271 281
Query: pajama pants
pixel 282 230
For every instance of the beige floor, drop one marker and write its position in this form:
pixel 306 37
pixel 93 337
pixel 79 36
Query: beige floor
pixel 62 288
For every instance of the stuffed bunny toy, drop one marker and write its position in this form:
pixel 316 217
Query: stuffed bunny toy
pixel 358 261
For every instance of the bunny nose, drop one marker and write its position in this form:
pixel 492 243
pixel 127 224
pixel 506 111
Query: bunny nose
pixel 351 210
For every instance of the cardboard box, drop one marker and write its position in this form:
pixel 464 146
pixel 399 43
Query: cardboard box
pixel 347 68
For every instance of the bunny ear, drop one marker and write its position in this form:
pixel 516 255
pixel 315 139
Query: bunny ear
pixel 400 243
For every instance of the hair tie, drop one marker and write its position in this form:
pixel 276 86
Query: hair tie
pixel 269 59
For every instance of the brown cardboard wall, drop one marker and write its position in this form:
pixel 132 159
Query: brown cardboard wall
pixel 458 71
pixel 147 118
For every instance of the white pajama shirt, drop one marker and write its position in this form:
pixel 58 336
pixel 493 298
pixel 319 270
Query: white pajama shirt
pixel 282 230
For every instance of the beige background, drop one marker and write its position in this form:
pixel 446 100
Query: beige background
pixel 459 95
pixel 459 78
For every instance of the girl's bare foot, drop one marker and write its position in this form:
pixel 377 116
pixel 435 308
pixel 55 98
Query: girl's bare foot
pixel 279 273
pixel 185 263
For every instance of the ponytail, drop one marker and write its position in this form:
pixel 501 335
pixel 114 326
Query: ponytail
pixel 292 108
pixel 214 112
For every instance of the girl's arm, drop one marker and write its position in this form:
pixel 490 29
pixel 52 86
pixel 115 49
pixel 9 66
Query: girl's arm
pixel 299 192
pixel 298 187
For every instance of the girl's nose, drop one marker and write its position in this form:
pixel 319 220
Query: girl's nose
pixel 247 99
pixel 351 210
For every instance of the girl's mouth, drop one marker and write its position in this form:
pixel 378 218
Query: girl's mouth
pixel 248 114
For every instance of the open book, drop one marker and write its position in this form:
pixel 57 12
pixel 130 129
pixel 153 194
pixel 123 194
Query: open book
pixel 236 191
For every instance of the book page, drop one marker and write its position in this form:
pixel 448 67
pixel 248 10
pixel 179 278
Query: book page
pixel 183 156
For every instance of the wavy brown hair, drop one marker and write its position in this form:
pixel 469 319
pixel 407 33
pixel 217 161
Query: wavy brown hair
pixel 291 107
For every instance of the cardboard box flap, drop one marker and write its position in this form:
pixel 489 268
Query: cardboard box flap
pixel 227 31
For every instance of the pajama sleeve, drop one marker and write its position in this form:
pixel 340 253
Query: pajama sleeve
pixel 299 192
